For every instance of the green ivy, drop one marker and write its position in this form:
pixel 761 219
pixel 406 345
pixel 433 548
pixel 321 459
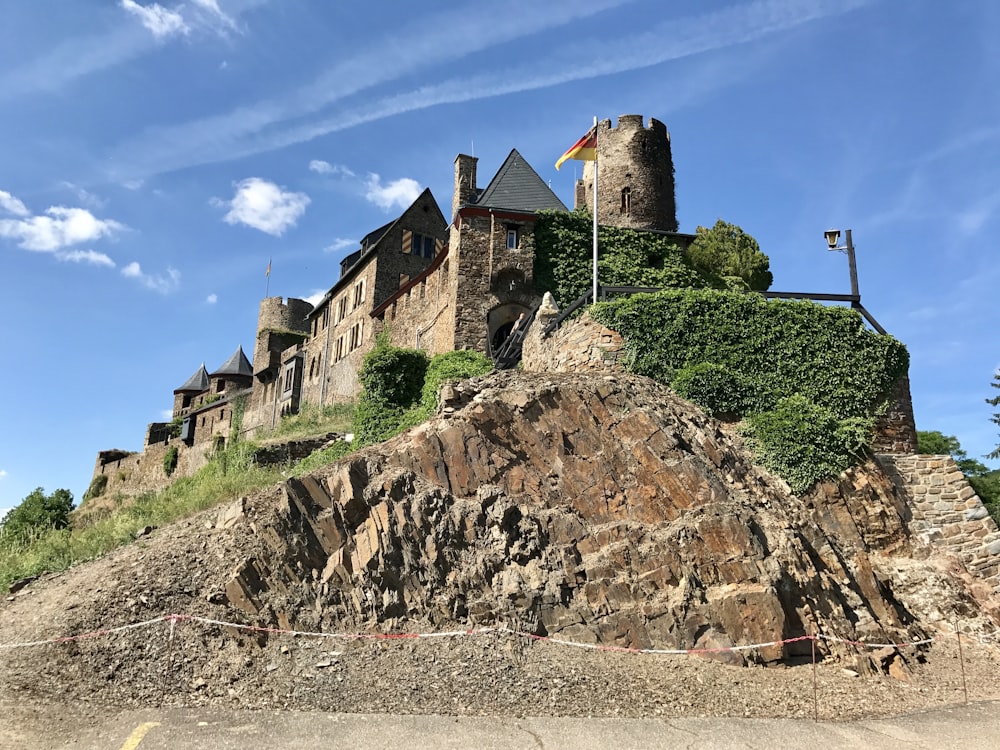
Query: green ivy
pixel 769 351
pixel 170 460
pixel 803 442
pixel 715 388
pixel 564 258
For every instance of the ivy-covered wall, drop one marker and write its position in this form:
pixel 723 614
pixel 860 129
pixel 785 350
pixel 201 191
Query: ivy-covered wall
pixel 809 381
pixel 563 261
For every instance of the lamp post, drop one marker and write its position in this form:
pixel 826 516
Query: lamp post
pixel 832 237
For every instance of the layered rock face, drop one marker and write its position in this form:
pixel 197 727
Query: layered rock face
pixel 599 508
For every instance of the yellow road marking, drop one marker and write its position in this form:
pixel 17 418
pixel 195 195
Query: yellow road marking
pixel 138 733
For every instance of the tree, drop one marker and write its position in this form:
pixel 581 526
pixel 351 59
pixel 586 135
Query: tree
pixel 995 401
pixel 986 483
pixel 726 250
pixel 38 511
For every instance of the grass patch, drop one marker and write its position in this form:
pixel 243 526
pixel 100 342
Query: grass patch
pixel 310 422
pixel 228 475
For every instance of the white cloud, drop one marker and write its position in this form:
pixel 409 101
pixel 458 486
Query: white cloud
pixel 166 414
pixel 325 167
pixel 401 192
pixel 61 227
pixel 86 256
pixel 161 284
pixel 315 298
pixel 339 244
pixel 84 196
pixel 212 299
pixel 265 206
pixel 157 19
pixel 12 205
pixel 3 473
pixel 216 13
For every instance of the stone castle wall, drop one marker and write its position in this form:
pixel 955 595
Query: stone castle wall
pixel 947 513
pixel 896 430
pixel 137 473
pixel 580 345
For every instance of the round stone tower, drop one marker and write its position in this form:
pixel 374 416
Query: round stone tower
pixel 276 318
pixel 636 178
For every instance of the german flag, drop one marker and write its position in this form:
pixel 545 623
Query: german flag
pixel 584 149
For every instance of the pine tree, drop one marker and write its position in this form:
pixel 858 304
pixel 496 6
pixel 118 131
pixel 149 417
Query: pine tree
pixel 995 401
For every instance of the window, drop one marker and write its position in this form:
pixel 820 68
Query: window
pixel 220 386
pixel 359 294
pixel 419 245
pixel 342 308
pixel 355 340
pixel 186 401
pixel 338 352
pixel 626 201
pixel 326 316
pixel 511 238
pixel 289 378
pixel 404 279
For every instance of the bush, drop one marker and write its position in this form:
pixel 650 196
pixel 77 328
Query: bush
pixel 97 486
pixel 804 442
pixel 450 366
pixel 170 460
pixel 715 388
pixel 391 381
pixel 35 514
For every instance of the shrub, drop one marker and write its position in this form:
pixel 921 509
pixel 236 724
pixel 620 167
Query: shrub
pixel 170 460
pixel 715 388
pixel 97 486
pixel 391 381
pixel 36 514
pixel 804 442
pixel 450 366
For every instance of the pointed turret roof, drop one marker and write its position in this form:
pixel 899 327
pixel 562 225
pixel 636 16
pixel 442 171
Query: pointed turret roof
pixel 517 187
pixel 238 364
pixel 196 383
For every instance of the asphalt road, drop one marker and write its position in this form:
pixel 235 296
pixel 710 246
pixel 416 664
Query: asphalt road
pixel 973 726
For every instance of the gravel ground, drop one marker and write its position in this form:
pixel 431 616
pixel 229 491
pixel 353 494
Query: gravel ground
pixel 177 569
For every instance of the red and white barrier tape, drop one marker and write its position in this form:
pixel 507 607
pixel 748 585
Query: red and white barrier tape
pixel 173 619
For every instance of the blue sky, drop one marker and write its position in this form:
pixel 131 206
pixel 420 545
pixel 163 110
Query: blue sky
pixel 157 155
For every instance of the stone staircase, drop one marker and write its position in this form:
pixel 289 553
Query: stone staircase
pixel 947 513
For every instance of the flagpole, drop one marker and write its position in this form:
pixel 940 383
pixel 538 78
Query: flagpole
pixel 267 285
pixel 596 160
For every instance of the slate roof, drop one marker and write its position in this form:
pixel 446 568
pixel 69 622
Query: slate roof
pixel 517 187
pixel 238 364
pixel 196 383
pixel 368 242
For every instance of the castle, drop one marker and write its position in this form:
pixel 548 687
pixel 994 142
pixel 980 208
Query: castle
pixel 434 283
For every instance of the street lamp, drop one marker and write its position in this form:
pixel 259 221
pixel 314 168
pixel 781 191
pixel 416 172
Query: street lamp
pixel 832 237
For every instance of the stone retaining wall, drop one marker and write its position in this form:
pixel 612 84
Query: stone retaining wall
pixel 947 513
pixel 580 345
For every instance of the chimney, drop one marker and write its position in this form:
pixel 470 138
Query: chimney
pixel 465 182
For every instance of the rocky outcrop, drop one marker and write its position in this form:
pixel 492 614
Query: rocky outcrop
pixel 600 508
